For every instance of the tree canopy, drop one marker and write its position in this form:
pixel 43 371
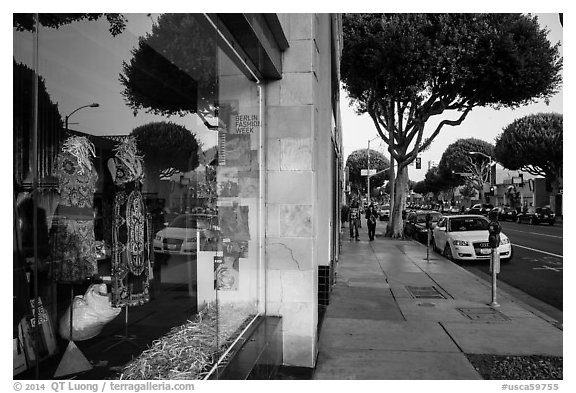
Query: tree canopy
pixel 49 120
pixel 173 69
pixel 26 22
pixel 533 144
pixel 167 146
pixel 404 69
pixel 358 160
pixel 457 166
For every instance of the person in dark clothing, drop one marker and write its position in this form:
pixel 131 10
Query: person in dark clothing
pixel 371 215
pixel 354 218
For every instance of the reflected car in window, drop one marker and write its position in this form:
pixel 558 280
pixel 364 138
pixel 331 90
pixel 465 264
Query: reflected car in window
pixel 415 224
pixel 465 238
pixel 181 235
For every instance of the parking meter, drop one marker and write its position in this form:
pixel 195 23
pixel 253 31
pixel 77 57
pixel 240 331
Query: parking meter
pixel 494 229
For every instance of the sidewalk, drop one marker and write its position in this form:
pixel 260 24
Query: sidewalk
pixel 394 315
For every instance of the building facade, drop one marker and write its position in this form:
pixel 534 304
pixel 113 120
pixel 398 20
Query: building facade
pixel 187 168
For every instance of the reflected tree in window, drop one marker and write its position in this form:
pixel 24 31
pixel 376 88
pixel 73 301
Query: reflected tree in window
pixel 168 148
pixel 49 124
pixel 26 22
pixel 173 69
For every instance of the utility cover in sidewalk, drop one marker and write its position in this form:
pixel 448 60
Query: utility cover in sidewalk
pixel 483 314
pixel 424 292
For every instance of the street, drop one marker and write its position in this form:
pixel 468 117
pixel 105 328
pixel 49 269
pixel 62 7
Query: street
pixel 537 265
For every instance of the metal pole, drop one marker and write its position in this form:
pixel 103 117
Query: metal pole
pixel 495 264
pixel 368 175
pixel 428 247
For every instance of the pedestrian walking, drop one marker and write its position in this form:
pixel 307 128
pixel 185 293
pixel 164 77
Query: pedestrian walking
pixel 354 219
pixel 371 220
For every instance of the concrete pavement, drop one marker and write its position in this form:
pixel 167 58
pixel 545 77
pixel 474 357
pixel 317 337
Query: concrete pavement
pixel 394 315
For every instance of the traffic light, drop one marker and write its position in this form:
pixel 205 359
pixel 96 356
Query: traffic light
pixel 492 189
pixel 418 163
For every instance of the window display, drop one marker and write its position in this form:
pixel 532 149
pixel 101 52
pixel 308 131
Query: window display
pixel 147 199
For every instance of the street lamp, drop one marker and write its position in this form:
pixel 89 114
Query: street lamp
pixel 93 105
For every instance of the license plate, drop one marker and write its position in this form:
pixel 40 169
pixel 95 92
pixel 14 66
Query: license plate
pixel 485 251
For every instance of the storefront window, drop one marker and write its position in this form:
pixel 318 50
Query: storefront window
pixel 136 196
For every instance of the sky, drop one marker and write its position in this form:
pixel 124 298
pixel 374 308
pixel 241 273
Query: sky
pixel 481 123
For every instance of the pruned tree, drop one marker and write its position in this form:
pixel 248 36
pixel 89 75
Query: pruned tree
pixel 420 187
pixel 534 144
pixel 173 69
pixel 358 160
pixel 167 148
pixel 434 182
pixel 27 22
pixel 467 161
pixel 405 69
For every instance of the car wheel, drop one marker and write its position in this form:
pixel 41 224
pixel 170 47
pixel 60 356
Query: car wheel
pixel 448 252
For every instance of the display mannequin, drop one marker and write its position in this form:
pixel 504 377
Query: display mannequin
pixel 131 259
pixel 73 224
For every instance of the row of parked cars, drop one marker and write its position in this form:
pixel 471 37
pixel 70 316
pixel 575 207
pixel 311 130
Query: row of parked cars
pixel 464 237
pixel 506 213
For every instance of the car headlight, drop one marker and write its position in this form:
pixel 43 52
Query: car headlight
pixel 460 242
pixel 505 241
pixel 158 237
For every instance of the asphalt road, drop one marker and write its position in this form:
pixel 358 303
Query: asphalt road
pixel 537 266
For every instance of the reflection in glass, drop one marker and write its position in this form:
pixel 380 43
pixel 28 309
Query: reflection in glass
pixel 153 194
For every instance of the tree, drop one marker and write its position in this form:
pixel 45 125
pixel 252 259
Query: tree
pixel 26 22
pixel 457 161
pixel 533 144
pixel 404 69
pixel 173 69
pixel 434 181
pixel 168 148
pixel 358 160
pixel 420 187
pixel 49 123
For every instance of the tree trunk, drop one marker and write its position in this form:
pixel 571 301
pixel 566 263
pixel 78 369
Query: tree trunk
pixel 396 229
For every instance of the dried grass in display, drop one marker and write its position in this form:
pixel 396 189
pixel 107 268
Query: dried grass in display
pixel 189 351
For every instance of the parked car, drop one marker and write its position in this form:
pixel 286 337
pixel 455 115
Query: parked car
pixel 384 213
pixel 415 224
pixel 454 210
pixel 181 234
pixel 481 208
pixel 505 213
pixel 538 216
pixel 465 237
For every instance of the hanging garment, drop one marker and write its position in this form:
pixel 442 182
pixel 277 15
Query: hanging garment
pixel 131 243
pixel 72 233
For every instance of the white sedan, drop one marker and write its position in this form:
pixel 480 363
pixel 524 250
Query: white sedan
pixel 465 237
pixel 180 236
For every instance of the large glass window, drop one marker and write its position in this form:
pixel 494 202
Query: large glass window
pixel 136 196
